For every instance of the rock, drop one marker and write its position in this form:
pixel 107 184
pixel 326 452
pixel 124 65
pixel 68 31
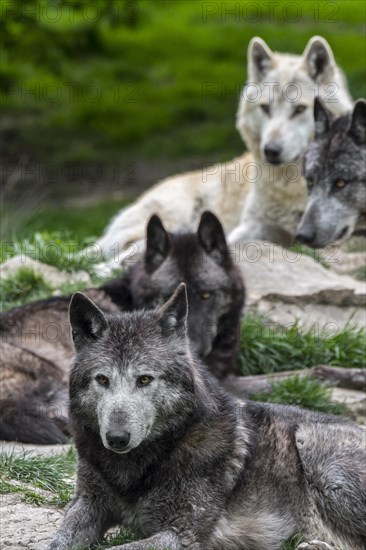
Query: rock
pixel 51 274
pixel 287 285
pixel 27 526
pixel 355 402
pixel 344 262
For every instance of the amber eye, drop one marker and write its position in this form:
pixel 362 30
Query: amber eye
pixel 144 380
pixel 340 184
pixel 206 295
pixel 310 183
pixel 102 380
pixel 265 108
pixel 300 109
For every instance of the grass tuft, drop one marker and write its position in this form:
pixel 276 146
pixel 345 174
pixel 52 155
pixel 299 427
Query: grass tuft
pixel 56 248
pixel 24 285
pixel 302 391
pixel 267 347
pixel 39 479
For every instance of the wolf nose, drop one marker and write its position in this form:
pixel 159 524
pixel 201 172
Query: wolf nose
pixel 306 236
pixel 118 440
pixel 272 150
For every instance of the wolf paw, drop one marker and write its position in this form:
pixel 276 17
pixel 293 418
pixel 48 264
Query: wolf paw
pixel 315 545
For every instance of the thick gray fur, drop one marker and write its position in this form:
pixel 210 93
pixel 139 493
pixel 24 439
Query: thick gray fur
pixel 338 154
pixel 200 470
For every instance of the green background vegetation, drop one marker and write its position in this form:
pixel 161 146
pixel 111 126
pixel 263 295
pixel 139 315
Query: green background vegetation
pixel 153 83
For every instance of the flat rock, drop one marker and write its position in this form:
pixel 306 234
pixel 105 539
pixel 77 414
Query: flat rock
pixel 51 274
pixel 289 286
pixel 355 402
pixel 27 526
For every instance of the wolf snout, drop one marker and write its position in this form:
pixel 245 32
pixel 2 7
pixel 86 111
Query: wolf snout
pixel 118 440
pixel 272 151
pixel 306 235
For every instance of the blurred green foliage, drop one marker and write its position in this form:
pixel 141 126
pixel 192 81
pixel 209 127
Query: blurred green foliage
pixel 156 78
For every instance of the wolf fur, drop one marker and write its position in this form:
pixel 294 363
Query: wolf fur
pixel 166 453
pixel 262 192
pixel 335 170
pixel 35 339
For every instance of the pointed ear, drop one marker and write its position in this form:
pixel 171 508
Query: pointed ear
pixel 172 315
pixel 87 321
pixel 260 59
pixel 358 123
pixel 211 237
pixel 318 58
pixel 157 243
pixel 322 117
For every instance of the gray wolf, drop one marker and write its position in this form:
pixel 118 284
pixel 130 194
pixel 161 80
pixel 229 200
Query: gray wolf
pixel 263 191
pixel 165 452
pixel 35 338
pixel 335 171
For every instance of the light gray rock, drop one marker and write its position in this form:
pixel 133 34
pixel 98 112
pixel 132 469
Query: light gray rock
pixel 287 286
pixel 355 402
pixel 26 526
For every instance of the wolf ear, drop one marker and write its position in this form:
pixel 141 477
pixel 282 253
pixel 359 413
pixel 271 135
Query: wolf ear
pixel 322 117
pixel 319 58
pixel 211 237
pixel 172 315
pixel 358 123
pixel 87 321
pixel 157 243
pixel 260 59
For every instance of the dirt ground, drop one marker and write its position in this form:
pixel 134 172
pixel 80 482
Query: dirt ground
pixel 25 525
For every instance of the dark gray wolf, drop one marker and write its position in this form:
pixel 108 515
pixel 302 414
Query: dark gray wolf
pixel 35 339
pixel 335 170
pixel 165 452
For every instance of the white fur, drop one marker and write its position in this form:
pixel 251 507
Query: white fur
pixel 246 192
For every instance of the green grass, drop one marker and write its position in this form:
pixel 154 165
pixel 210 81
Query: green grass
pixel 149 70
pixel 303 392
pixel 39 479
pixel 25 285
pixel 361 274
pixel 56 248
pixel 267 348
pixel 73 223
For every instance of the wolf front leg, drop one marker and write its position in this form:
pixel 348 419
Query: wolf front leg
pixel 85 523
pixel 166 540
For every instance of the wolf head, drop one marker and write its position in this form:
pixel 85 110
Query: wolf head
pixel 335 170
pixel 133 377
pixel 275 115
pixel 203 262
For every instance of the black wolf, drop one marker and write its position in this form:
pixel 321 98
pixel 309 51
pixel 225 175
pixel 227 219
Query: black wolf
pixel 36 343
pixel 166 453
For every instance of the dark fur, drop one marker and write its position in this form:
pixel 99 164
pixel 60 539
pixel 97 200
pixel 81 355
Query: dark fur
pixel 338 153
pixel 197 259
pixel 212 473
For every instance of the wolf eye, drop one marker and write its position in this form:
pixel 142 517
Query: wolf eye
pixel 265 108
pixel 102 380
pixel 340 184
pixel 300 109
pixel 310 182
pixel 144 380
pixel 206 295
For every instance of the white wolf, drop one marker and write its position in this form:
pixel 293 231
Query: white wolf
pixel 260 195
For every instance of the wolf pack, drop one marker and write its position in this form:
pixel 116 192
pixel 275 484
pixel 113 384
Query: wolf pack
pixel 137 376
